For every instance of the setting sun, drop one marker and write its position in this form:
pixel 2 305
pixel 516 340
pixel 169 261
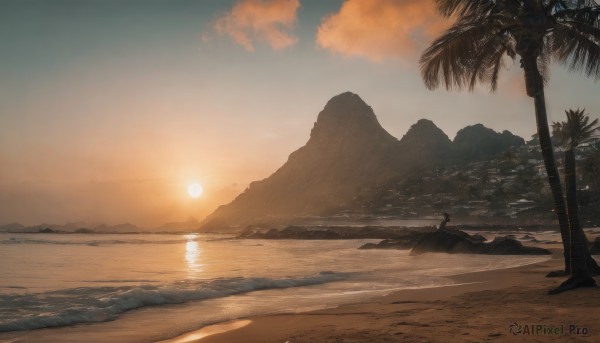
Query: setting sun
pixel 195 190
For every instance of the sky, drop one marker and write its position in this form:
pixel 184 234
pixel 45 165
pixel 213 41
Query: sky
pixel 109 109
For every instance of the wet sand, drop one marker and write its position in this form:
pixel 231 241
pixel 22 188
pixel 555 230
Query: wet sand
pixel 481 307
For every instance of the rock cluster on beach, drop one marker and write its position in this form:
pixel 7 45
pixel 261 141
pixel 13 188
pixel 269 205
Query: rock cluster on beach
pixel 420 240
pixel 337 232
pixel 458 242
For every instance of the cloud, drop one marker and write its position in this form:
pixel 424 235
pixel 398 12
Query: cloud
pixel 378 30
pixel 266 21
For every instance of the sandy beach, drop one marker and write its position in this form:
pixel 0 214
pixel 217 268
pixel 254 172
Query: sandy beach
pixel 499 305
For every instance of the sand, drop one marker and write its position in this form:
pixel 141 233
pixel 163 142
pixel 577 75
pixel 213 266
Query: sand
pixel 480 308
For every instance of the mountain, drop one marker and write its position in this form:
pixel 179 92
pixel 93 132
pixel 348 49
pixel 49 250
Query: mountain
pixel 423 145
pixel 478 142
pixel 347 156
pixel 347 150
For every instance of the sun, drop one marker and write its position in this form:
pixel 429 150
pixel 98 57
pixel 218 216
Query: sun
pixel 195 190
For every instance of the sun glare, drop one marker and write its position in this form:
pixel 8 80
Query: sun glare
pixel 195 190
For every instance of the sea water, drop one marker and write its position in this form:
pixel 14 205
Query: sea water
pixel 146 287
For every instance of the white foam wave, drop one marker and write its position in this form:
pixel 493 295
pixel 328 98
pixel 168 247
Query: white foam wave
pixel 97 304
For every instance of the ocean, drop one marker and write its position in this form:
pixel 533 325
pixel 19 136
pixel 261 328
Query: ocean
pixel 148 287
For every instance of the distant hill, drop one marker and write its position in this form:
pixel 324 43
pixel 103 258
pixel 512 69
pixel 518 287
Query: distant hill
pixel 11 227
pixel 79 227
pixel 424 145
pixel 478 142
pixel 348 151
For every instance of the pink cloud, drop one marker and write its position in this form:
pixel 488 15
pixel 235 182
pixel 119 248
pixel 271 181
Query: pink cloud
pixel 378 30
pixel 266 21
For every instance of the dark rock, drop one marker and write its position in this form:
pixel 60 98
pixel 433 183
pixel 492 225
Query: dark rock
pixel 530 239
pixel 46 230
pixel 458 242
pixel 595 249
pixel 409 236
pixel 509 246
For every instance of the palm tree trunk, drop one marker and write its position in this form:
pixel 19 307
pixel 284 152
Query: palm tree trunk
pixel 535 88
pixel 575 258
pixel 573 211
pixel 578 247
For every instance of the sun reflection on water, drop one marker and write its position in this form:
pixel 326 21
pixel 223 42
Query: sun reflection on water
pixel 192 254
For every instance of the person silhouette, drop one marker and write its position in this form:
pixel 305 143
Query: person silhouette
pixel 444 221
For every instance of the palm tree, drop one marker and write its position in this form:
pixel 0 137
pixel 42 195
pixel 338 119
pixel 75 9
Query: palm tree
pixel 474 50
pixel 576 130
pixel 591 168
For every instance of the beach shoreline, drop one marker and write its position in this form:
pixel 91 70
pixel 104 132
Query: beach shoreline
pixel 480 306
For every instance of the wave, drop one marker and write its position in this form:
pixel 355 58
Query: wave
pixel 99 304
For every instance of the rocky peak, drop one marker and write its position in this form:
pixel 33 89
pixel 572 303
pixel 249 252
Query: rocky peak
pixel 425 145
pixel 426 134
pixel 346 117
pixel 477 141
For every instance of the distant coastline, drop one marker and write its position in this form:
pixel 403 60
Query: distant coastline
pixel 389 225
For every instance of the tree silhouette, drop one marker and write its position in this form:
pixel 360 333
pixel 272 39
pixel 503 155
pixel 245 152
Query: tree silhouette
pixel 475 49
pixel 569 134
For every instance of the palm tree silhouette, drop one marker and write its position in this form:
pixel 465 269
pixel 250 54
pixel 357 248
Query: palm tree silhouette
pixel 475 49
pixel 576 130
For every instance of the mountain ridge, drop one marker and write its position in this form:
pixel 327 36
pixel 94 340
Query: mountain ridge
pixel 348 150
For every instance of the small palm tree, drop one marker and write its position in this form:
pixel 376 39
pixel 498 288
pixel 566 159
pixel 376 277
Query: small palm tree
pixel 476 47
pixel 591 168
pixel 576 130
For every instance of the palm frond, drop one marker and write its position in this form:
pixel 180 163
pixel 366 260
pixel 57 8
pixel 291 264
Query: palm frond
pixel 464 8
pixel 469 49
pixel 582 15
pixel 490 59
pixel 576 130
pixel 560 132
pixel 576 49
pixel 495 71
pixel 473 49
